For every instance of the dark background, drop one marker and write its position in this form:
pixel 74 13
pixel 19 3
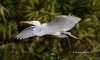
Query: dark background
pixel 49 47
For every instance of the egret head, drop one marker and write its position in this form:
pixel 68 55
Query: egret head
pixel 36 23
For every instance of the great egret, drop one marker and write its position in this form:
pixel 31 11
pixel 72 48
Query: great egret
pixel 57 27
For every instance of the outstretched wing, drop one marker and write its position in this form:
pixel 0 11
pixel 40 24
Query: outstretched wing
pixel 64 22
pixel 28 32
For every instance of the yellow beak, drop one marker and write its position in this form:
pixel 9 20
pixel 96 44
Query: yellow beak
pixel 24 22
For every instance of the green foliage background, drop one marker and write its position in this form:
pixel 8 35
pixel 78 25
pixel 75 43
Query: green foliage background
pixel 49 47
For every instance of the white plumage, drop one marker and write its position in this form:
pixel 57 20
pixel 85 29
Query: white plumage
pixel 59 25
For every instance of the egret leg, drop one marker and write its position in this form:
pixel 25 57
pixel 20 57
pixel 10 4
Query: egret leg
pixel 68 33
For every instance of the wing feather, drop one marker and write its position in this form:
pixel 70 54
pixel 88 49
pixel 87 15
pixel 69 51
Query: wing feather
pixel 28 32
pixel 64 22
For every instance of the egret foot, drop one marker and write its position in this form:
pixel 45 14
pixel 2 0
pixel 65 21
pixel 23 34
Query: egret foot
pixel 84 41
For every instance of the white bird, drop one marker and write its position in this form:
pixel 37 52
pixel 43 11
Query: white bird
pixel 57 27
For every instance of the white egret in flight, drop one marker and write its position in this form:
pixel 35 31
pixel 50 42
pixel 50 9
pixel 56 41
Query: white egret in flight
pixel 58 26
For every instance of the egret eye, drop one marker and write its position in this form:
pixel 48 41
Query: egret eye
pixel 31 22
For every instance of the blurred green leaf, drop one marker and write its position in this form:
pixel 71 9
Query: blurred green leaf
pixel 49 47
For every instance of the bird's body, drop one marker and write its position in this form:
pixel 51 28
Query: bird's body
pixel 59 25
